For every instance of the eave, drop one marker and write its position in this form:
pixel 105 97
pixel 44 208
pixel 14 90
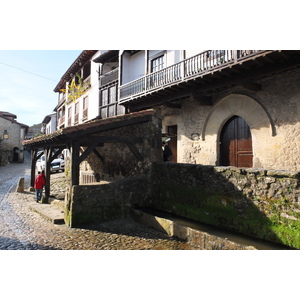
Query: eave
pixel 80 61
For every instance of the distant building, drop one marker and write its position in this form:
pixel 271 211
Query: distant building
pixel 49 124
pixel 12 134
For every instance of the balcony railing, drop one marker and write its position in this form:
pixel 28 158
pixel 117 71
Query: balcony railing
pixel 109 77
pixel 61 120
pixel 194 66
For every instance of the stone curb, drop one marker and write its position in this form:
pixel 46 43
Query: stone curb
pixel 197 238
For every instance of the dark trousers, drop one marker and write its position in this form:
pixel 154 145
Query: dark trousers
pixel 38 193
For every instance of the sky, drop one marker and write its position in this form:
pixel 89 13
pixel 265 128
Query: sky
pixel 28 78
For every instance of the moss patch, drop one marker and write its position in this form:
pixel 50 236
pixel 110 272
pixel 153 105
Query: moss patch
pixel 237 214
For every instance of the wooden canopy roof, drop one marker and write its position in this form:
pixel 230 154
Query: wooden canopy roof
pixel 82 131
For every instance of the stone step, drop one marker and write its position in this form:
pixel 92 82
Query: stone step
pixel 52 213
pixel 58 203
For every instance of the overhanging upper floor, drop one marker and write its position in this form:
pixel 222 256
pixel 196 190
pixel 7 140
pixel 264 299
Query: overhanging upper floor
pixel 204 74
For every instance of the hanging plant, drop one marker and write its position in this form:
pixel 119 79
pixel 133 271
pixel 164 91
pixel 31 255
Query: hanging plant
pixel 76 90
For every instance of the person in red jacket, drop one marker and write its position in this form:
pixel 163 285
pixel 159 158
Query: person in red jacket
pixel 39 183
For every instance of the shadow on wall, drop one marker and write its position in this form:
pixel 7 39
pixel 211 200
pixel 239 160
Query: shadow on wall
pixel 258 203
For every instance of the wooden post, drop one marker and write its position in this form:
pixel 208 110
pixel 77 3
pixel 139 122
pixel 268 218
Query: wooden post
pixel 75 163
pixel 34 158
pixel 47 152
pixel 33 164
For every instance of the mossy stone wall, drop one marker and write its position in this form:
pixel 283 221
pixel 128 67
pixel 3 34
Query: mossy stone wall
pixel 257 202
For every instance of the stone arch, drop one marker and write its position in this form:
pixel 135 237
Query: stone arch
pixel 253 112
pixel 256 116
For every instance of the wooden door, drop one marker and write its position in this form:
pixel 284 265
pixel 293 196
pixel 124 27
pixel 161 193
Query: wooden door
pixel 236 144
pixel 173 143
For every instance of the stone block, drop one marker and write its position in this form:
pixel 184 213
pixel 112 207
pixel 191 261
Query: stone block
pixel 20 187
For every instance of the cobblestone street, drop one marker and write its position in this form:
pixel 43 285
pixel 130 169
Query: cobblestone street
pixel 23 229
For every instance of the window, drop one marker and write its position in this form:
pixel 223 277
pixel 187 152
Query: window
pixel 109 104
pixel 61 116
pixel 104 97
pixel 85 108
pixel 86 71
pixel 76 117
pixel 158 63
pixel 69 116
pixel 157 78
pixel 112 94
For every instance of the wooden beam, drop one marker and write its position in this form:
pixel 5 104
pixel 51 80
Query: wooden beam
pixel 253 86
pixel 251 75
pixel 135 151
pixel 91 139
pixel 104 127
pixel 60 149
pixel 173 105
pixel 98 155
pixel 94 141
pixel 87 152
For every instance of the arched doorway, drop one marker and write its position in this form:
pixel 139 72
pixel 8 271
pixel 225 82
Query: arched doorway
pixel 236 144
pixel 16 154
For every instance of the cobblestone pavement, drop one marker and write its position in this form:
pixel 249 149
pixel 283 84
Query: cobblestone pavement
pixel 23 229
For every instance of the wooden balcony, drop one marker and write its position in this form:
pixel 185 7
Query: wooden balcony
pixel 207 71
pixel 109 77
pixel 199 65
pixel 61 121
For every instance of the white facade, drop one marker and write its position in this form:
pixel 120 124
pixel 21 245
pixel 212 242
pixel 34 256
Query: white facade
pixel 140 64
pixel 85 107
pixel 90 98
pixel 50 124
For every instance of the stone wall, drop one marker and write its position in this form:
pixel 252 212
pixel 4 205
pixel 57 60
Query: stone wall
pixel 104 201
pixel 98 202
pixel 118 160
pixel 257 202
pixel 272 113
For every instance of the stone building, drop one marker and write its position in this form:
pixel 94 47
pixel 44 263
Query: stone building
pixel 12 136
pixel 222 107
pixel 226 107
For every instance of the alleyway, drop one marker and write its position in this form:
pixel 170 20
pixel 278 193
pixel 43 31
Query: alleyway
pixel 23 229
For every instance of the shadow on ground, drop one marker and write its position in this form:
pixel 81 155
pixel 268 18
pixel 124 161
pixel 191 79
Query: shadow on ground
pixel 14 244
